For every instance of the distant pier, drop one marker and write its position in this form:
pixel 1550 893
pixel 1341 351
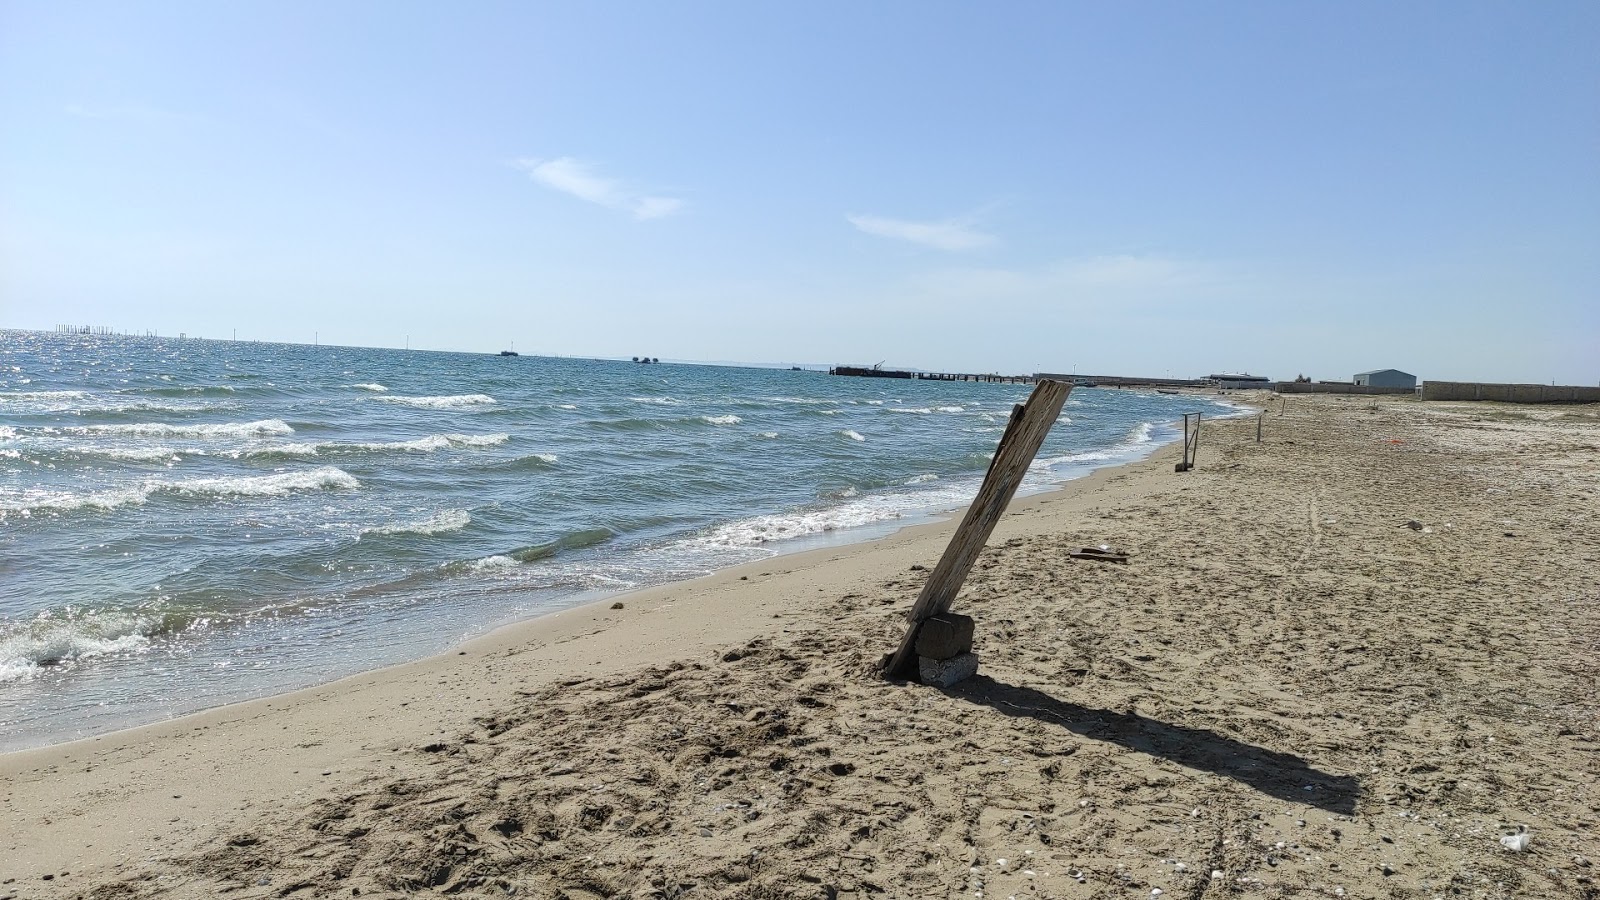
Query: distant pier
pixel 879 372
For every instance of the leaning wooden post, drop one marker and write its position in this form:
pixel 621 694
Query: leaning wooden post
pixel 1188 443
pixel 1195 453
pixel 1029 424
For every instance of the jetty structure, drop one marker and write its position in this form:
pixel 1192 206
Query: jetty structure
pixel 878 371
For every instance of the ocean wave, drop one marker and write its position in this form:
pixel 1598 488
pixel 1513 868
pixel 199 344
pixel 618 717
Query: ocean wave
pixel 721 420
pixel 323 478
pixel 848 510
pixel 169 429
pixel 656 401
pixel 40 396
pixel 130 454
pixel 574 540
pixel 371 386
pixel 8 433
pixel 922 479
pixel 449 520
pixel 769 435
pixel 533 462
pixel 420 445
pixel 61 638
pixel 451 401
pixel 566 406
pixel 10 454
pixel 806 401
pixel 196 390
pixel 851 434
pixel 1134 442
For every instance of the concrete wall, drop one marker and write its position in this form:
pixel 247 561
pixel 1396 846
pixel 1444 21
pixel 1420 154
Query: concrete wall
pixel 1509 393
pixel 1301 387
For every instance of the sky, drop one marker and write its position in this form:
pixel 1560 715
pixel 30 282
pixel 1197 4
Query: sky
pixel 1143 188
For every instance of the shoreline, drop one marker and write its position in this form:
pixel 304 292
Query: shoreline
pixel 399 706
pixel 876 531
pixel 1285 685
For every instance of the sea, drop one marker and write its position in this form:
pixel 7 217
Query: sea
pixel 186 523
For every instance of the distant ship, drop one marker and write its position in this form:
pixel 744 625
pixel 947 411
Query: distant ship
pixel 509 353
pixel 645 360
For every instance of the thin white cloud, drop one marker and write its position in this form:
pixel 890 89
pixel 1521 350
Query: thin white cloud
pixel 946 235
pixel 578 178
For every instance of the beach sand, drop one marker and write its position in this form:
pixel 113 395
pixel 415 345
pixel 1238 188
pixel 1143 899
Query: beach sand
pixel 1285 692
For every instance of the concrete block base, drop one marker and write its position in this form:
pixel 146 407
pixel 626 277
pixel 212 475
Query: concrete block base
pixel 945 637
pixel 946 672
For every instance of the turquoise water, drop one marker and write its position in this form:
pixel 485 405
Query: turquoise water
pixel 186 523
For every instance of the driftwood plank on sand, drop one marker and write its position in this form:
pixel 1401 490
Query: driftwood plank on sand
pixel 1029 424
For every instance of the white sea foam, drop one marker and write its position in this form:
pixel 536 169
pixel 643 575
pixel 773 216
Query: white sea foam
pixel 169 429
pixel 431 442
pixel 566 406
pixel 922 479
pixel 490 563
pixel 721 420
pixel 371 386
pixel 282 483
pixel 275 450
pixel 321 478
pixel 10 454
pixel 656 401
pixel 40 396
pixel 852 435
pixel 855 511
pixel 918 410
pixel 7 433
pixel 47 642
pixel 769 435
pixel 1131 445
pixel 132 454
pixel 449 520
pixel 419 445
pixel 451 401
pixel 806 401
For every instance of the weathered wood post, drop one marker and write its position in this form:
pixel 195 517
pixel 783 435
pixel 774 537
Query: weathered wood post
pixel 1026 430
pixel 1195 453
pixel 1259 416
pixel 1183 466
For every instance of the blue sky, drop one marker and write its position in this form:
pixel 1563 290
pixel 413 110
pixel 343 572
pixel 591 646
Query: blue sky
pixel 1118 188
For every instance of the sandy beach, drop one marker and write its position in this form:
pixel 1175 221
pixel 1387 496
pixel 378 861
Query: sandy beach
pixel 1287 691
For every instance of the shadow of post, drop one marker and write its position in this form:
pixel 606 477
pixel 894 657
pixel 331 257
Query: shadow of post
pixel 1281 775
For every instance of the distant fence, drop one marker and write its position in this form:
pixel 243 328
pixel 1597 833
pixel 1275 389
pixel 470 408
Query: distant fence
pixel 1510 393
pixel 1302 387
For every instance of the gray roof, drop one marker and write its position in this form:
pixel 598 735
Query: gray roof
pixel 1380 371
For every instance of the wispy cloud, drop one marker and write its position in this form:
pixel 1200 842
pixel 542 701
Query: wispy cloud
pixel 950 234
pixel 578 178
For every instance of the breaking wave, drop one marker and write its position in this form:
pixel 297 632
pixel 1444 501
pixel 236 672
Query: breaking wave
pixel 451 401
pixel 449 520
pixel 283 483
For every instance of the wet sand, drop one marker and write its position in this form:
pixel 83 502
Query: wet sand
pixel 1287 691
